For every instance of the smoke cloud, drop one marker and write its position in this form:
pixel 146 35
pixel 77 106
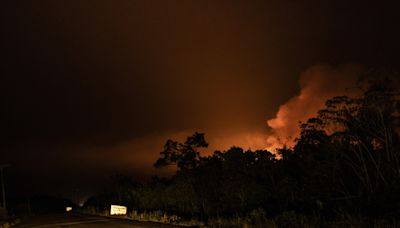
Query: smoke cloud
pixel 317 84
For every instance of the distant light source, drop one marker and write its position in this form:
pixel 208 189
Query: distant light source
pixel 118 210
pixel 68 209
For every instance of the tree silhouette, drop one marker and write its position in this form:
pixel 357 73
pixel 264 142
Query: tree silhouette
pixel 184 155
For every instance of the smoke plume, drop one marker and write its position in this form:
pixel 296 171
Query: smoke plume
pixel 317 84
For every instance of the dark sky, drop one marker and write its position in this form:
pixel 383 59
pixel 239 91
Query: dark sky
pixel 94 87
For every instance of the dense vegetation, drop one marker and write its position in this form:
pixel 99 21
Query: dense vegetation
pixel 346 162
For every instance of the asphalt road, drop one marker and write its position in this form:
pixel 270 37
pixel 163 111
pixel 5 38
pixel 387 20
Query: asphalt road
pixel 78 221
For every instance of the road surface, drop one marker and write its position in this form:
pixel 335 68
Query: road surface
pixel 78 221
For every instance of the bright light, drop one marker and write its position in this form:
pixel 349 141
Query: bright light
pixel 118 210
pixel 68 209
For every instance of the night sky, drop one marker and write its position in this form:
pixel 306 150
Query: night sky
pixel 91 88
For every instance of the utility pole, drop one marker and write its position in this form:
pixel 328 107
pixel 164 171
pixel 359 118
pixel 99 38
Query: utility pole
pixel 2 186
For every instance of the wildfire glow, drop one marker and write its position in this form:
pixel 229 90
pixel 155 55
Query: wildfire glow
pixel 315 88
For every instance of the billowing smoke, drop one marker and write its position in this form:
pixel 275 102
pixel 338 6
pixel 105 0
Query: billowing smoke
pixel 317 84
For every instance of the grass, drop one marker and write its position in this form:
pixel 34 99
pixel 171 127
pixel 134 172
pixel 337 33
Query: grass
pixel 256 218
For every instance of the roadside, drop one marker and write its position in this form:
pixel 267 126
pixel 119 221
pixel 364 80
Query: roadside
pixel 80 220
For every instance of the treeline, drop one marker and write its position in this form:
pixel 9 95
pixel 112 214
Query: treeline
pixel 346 162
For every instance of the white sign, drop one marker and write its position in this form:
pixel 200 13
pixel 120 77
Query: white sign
pixel 118 210
pixel 68 209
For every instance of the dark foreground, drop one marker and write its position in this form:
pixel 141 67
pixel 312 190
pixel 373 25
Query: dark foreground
pixel 76 221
